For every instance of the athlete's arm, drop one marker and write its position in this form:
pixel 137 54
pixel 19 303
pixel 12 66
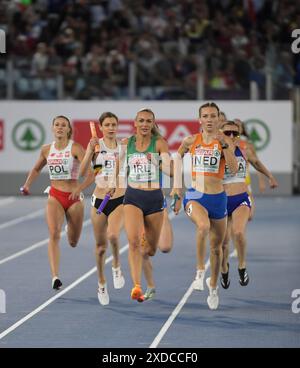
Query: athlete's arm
pixel 123 153
pixel 259 166
pixel 119 163
pixel 166 161
pixel 186 145
pixel 178 170
pixel 228 149
pixel 261 177
pixel 85 163
pixel 39 165
pixel 261 182
pixel 79 153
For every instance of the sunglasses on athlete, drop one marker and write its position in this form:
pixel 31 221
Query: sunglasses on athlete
pixel 231 132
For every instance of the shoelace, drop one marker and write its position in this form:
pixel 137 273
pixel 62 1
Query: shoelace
pixel 200 274
pixel 117 273
pixel 102 290
pixel 214 292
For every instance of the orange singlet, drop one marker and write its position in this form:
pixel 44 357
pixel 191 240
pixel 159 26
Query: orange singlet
pixel 207 159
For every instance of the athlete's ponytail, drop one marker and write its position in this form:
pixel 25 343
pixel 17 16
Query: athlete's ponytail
pixel 155 130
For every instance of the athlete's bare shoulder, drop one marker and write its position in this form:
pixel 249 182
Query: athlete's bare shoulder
pixel 162 145
pixel 45 149
pixel 250 146
pixel 77 145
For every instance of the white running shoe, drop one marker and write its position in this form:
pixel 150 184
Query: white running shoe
pixel 118 278
pixel 56 283
pixel 198 283
pixel 213 298
pixel 103 296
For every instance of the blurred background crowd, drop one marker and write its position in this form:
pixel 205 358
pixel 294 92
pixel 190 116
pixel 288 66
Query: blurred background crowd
pixel 148 49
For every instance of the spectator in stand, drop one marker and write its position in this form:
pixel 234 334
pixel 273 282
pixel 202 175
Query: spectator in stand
pixel 244 38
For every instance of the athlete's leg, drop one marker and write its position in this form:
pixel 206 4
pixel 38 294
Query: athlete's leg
pixel 165 242
pixel 153 225
pixel 216 235
pixel 252 210
pixel 226 247
pixel 239 223
pixel 134 224
pixel 152 232
pixel 115 224
pixel 55 216
pixel 198 214
pixel 75 215
pixel 148 271
pixel 100 228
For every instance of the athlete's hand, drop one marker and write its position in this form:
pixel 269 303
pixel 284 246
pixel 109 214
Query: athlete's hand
pixel 177 200
pixel 24 190
pixel 222 138
pixel 94 141
pixel 75 194
pixel 153 159
pixel 111 192
pixel 273 182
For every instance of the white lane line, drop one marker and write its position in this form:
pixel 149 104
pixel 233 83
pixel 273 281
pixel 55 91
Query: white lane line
pixel 58 295
pixel 21 219
pixel 176 311
pixel 35 246
pixel 6 201
pixel 70 287
pixel 45 241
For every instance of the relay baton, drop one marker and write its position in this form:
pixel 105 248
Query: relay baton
pixel 175 199
pixel 103 204
pixel 94 135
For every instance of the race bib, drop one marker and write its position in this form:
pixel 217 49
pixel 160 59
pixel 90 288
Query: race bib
pixel 206 160
pixel 58 168
pixel 141 169
pixel 241 173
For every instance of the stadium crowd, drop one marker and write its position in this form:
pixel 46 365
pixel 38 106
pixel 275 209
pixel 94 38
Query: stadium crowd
pixel 91 45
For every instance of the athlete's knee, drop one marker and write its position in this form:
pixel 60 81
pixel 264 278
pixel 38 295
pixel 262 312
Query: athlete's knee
pixel 225 245
pixel 54 236
pixel 100 249
pixel 239 235
pixel 202 228
pixel 134 242
pixel 113 237
pixel 216 249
